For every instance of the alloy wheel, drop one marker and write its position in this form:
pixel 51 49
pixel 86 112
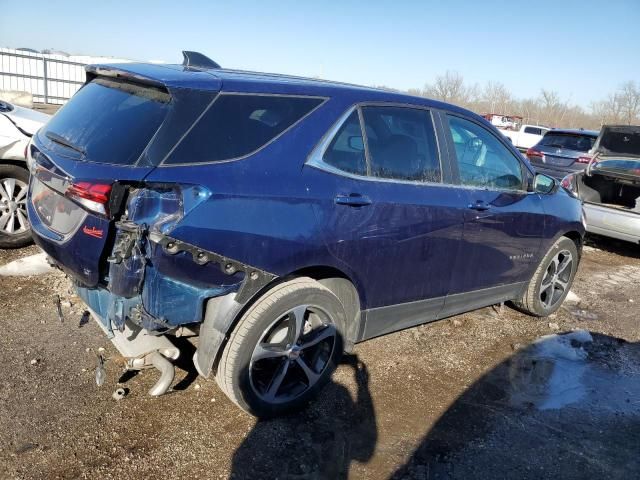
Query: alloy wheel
pixel 292 354
pixel 13 206
pixel 555 281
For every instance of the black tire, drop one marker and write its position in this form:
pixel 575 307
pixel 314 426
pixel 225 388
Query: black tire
pixel 542 300
pixel 22 238
pixel 238 373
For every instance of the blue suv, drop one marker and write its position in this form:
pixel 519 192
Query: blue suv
pixel 281 220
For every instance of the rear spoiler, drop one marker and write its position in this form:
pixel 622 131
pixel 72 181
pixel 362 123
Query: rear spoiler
pixel 163 76
pixel 94 71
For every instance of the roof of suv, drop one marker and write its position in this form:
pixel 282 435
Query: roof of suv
pixel 258 82
pixel 576 131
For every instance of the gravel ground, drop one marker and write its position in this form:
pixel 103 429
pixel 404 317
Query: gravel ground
pixel 481 395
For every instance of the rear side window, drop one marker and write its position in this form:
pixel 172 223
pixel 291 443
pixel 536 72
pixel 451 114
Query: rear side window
pixel 236 125
pixel 109 121
pixel 346 150
pixel 401 143
pixel 570 141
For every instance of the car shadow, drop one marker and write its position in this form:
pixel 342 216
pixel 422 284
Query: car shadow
pixel 320 442
pixel 612 245
pixel 563 407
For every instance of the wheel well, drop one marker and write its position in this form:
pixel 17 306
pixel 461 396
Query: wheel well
pixel 576 238
pixel 343 288
pixel 17 163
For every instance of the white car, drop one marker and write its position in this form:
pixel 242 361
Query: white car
pixel 17 125
pixel 526 137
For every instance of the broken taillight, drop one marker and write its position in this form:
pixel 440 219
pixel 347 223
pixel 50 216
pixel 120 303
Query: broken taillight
pixel 568 183
pixel 92 196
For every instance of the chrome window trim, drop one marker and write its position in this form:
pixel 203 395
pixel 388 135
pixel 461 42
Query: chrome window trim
pixel 315 158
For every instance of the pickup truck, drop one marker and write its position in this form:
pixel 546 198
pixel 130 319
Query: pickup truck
pixel 525 137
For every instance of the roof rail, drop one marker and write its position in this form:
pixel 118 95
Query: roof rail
pixel 198 60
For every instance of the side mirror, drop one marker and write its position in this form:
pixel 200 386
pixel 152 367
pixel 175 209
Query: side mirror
pixel 543 184
pixel 356 143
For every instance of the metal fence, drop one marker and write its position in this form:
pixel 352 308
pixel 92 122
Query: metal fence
pixel 49 78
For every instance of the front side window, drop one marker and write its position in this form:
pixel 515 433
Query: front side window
pixel 483 161
pixel 401 143
pixel 238 125
pixel 533 130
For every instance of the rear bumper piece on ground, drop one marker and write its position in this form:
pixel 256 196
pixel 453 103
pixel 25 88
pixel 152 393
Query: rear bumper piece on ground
pixel 613 222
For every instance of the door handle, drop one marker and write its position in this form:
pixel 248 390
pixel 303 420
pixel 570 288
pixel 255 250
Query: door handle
pixel 479 205
pixel 353 200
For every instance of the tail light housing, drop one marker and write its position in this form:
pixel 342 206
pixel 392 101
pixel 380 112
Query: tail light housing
pixel 92 196
pixel 533 153
pixel 569 184
pixel 584 159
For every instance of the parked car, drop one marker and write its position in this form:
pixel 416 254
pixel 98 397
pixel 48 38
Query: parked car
pixel 503 121
pixel 285 219
pixel 610 185
pixel 562 151
pixel 17 125
pixel 526 136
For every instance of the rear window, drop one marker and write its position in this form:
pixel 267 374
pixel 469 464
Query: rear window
pixel 570 141
pixel 237 124
pixel 109 121
pixel 533 130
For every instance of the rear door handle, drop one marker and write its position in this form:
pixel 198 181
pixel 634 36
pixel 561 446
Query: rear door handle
pixel 479 205
pixel 353 200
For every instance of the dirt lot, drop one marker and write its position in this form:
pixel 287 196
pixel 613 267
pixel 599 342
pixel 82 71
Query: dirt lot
pixel 468 397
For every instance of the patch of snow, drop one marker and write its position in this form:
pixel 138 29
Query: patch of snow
pixel 33 265
pixel 572 297
pixel 562 346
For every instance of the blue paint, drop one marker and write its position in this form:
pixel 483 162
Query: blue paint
pixel 273 211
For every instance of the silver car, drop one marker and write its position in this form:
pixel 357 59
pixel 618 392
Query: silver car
pixel 610 185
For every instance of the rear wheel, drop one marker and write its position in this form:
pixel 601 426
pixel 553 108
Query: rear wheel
pixel 284 348
pixel 15 230
pixel 552 280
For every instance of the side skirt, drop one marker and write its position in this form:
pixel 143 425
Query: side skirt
pixel 383 320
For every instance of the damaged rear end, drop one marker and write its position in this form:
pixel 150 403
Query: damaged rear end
pixel 100 221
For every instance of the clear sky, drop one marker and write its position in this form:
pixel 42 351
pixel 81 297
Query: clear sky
pixel 582 49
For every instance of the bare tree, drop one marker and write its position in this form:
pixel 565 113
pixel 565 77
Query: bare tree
pixel 497 98
pixel 450 88
pixel 622 105
pixel 629 102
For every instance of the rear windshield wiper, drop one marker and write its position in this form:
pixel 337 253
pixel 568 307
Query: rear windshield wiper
pixel 59 139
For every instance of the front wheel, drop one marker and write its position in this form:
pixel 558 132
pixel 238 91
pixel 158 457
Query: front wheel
pixel 552 280
pixel 15 230
pixel 284 348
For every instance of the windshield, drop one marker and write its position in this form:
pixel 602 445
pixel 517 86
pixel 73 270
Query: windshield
pixel 570 141
pixel 108 121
